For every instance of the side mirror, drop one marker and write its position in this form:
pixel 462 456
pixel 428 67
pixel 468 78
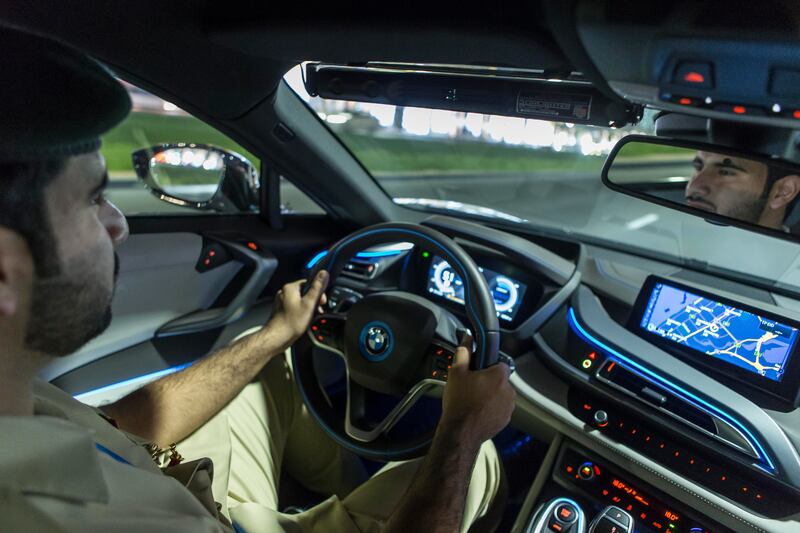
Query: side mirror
pixel 199 176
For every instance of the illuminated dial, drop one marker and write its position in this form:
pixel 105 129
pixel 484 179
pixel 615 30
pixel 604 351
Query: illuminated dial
pixel 505 294
pixel 445 278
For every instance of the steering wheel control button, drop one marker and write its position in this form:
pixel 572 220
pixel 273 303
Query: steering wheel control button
pixel 600 418
pixel 341 299
pixel 566 513
pixel 441 361
pixel 327 332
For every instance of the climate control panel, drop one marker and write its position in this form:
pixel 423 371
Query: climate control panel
pixel 627 500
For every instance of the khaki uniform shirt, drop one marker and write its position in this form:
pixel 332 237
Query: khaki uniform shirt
pixel 68 469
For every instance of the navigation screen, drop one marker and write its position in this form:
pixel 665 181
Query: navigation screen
pixel 507 293
pixel 755 343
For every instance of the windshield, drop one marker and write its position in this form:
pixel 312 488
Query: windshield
pixel 544 174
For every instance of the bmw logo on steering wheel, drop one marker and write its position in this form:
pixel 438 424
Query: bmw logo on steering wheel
pixel 376 341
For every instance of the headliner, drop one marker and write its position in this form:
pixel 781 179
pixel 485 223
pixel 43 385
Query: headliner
pixel 223 58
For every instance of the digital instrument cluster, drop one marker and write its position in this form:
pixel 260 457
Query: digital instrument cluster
pixel 506 292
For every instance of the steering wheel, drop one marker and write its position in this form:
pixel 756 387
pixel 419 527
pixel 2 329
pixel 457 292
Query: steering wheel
pixel 392 342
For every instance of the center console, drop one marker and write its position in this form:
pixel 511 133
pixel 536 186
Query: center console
pixel 686 383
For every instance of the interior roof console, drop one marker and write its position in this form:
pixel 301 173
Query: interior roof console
pixel 735 78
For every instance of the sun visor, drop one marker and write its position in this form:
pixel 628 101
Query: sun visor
pixel 513 93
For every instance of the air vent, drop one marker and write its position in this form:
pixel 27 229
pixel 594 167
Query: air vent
pixel 360 269
pixel 633 383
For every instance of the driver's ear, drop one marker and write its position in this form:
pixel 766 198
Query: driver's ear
pixel 16 271
pixel 784 191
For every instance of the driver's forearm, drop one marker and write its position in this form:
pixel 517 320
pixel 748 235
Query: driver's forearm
pixel 435 500
pixel 171 408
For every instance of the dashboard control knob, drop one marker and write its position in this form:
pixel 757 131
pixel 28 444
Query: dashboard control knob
pixel 600 418
pixel 612 519
pixel 586 471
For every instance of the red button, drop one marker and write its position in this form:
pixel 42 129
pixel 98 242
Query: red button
pixel 565 513
pixel 694 77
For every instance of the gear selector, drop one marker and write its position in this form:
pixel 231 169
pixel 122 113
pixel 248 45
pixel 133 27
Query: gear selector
pixel 612 520
pixel 561 515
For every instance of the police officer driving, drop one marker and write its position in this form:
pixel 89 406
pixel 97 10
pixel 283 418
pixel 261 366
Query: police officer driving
pixel 235 415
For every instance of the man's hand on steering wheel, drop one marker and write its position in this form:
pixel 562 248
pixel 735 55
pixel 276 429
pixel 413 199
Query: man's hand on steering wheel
pixel 478 402
pixel 294 311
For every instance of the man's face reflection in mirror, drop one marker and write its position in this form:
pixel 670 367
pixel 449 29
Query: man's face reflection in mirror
pixel 743 189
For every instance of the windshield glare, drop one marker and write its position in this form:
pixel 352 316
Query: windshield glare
pixel 545 174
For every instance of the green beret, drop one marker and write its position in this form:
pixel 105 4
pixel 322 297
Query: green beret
pixel 54 100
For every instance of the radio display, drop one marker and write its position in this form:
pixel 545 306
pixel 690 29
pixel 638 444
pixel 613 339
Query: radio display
pixel 748 340
pixel 506 292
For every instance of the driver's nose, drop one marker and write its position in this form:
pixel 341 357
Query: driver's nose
pixel 698 185
pixel 114 221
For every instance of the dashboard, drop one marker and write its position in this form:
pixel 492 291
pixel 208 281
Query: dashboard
pixel 665 388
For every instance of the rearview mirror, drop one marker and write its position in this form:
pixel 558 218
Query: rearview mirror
pixel 717 183
pixel 199 176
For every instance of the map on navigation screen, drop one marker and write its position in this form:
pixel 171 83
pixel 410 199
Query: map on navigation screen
pixel 755 343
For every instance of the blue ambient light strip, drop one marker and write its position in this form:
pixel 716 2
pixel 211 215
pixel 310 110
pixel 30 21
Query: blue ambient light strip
pixel 363 255
pixel 686 395
pixel 316 259
pixel 138 379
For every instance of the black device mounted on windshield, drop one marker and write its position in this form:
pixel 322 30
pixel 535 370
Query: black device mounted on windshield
pixel 507 92
pixel 751 350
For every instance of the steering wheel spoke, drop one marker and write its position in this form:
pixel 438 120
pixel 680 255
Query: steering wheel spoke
pixel 356 409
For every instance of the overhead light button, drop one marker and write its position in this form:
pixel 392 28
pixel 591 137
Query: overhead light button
pixel 694 74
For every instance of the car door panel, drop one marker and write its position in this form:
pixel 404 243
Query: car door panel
pixel 157 283
pixel 160 285
pixel 108 379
